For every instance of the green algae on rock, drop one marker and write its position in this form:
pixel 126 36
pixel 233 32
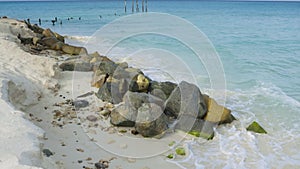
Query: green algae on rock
pixel 180 151
pixel 255 127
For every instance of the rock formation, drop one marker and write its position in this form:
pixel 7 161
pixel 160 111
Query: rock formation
pixel 151 107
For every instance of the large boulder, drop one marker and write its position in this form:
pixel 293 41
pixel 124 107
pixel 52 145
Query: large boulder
pixel 123 115
pixel 59 37
pixel 51 42
pixel 49 33
pixel 198 127
pixel 73 50
pixel 136 100
pixel 76 65
pixel 161 89
pixel 139 83
pixel 104 92
pixel 216 113
pixel 151 120
pixel 186 98
pixel 113 91
pixel 98 80
pixel 107 67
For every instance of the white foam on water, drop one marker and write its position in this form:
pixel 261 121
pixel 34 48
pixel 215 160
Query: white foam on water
pixel 234 147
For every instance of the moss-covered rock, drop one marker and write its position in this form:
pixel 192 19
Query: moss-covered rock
pixel 170 156
pixel 172 143
pixel 180 151
pixel 255 127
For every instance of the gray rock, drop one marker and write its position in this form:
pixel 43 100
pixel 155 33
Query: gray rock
pixel 188 123
pixel 123 115
pixel 104 93
pixel 108 67
pixel 162 89
pixel 151 120
pixel 135 99
pixel 186 98
pixel 49 42
pixel 123 65
pixel 113 92
pixel 91 118
pixel 121 73
pixel 80 103
pixel 76 65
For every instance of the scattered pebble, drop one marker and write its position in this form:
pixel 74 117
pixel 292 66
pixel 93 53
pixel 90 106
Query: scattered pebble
pixel 109 105
pixel 105 112
pixel 91 118
pixel 134 132
pixel 88 159
pixel 79 161
pixel 47 152
pixel 79 149
pixel 123 131
pixel 131 160
pixel 99 166
pixel 81 103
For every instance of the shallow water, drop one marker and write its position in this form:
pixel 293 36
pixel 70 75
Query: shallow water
pixel 259 46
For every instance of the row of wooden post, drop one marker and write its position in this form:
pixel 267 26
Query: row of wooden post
pixel 137 9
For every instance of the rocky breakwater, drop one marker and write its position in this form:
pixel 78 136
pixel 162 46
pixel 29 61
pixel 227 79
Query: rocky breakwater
pixel 151 107
pixel 42 39
pixel 154 107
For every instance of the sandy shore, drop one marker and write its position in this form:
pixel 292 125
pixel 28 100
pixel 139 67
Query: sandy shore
pixel 33 89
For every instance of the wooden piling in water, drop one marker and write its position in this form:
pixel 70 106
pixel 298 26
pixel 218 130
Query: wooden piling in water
pixel 146 5
pixel 137 5
pixel 132 6
pixel 125 6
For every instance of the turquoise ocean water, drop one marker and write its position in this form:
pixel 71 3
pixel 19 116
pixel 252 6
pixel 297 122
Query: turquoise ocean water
pixel 259 46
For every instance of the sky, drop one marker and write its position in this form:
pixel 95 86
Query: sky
pixel 156 0
pixel 150 0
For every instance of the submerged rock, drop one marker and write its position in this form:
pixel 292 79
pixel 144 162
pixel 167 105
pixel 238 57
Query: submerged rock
pixel 186 98
pixel 151 120
pixel 255 127
pixel 197 127
pixel 180 151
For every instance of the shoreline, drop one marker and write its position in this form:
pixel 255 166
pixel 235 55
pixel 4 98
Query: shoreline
pixel 38 89
pixel 43 90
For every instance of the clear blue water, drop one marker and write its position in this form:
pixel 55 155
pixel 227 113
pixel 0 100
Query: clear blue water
pixel 259 45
